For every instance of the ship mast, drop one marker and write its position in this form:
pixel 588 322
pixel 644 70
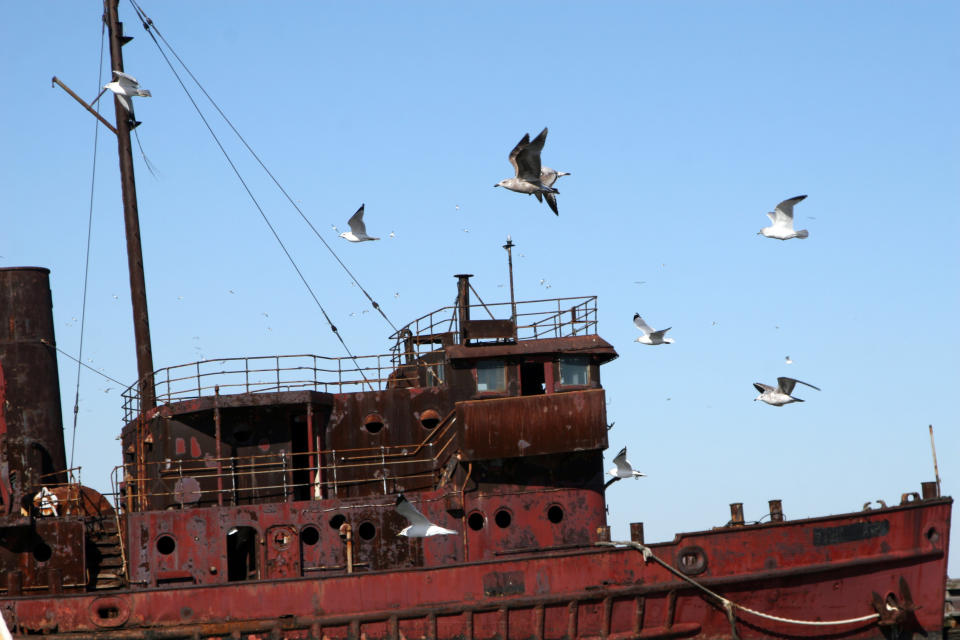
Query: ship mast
pixel 138 289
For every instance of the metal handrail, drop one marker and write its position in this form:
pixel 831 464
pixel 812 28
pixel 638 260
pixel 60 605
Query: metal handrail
pixel 380 464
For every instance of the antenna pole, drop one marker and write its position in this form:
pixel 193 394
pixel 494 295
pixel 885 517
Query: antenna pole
pixel 513 302
pixel 936 470
pixel 138 288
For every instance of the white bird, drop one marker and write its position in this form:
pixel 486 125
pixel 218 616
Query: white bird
pixel 624 468
pixel 547 177
pixel 788 360
pixel 650 336
pixel 419 526
pixel 125 87
pixel 782 219
pixel 780 395
pixel 358 230
pixel 4 630
pixel 525 159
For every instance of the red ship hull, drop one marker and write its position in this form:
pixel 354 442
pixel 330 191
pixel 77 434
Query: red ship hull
pixel 822 569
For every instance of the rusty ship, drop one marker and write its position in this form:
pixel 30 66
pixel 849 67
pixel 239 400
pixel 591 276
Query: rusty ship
pixel 256 497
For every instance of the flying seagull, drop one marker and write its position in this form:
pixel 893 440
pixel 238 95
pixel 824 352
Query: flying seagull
pixel 547 177
pixel 419 526
pixel 649 335
pixel 780 395
pixel 525 159
pixel 623 468
pixel 782 219
pixel 125 87
pixel 358 230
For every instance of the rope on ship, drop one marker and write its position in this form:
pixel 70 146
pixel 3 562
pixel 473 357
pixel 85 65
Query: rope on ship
pixel 727 604
pixel 86 267
pixel 151 28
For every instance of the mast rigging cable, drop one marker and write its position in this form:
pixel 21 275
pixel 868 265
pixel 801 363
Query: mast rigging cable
pixel 150 27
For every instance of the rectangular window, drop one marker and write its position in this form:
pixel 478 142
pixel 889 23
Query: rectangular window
pixel 574 370
pixel 491 375
pixel 435 375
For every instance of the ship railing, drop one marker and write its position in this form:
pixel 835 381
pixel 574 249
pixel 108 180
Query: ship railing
pixel 265 374
pixel 535 320
pixel 285 476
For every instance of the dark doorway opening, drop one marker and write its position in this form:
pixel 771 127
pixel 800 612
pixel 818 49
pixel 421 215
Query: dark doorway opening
pixel 532 380
pixel 241 554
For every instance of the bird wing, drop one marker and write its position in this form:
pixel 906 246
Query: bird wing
pixel 410 512
pixel 126 79
pixel 660 333
pixel 621 461
pixel 784 211
pixel 356 222
pixel 551 200
pixel 524 141
pixel 762 388
pixel 786 384
pixel 643 326
pixel 125 102
pixel 528 159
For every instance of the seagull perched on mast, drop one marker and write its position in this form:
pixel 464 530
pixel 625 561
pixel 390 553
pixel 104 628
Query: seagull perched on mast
pixel 780 395
pixel 125 87
pixel 782 219
pixel 650 336
pixel 525 159
pixel 419 527
pixel 547 177
pixel 358 230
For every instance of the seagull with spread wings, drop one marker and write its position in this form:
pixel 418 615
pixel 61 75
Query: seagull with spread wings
pixel 650 336
pixel 125 87
pixel 419 526
pixel 358 230
pixel 525 159
pixel 623 468
pixel 782 219
pixel 780 395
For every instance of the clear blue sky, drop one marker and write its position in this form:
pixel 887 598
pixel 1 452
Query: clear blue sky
pixel 682 124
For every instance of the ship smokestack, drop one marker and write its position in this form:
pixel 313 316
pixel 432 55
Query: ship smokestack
pixel 32 452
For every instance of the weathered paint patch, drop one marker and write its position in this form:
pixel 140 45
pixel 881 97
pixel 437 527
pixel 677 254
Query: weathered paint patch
pixel 850 532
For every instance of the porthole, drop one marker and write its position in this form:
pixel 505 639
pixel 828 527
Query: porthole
pixel 476 521
pixel 310 536
pixel 555 514
pixel 242 434
pixel 429 419
pixel 933 535
pixel 166 545
pixel 373 423
pixel 692 560
pixel 337 520
pixel 42 552
pixel 503 518
pixel 366 531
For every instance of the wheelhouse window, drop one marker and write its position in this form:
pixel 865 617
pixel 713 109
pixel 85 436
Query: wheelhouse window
pixel 435 375
pixel 491 375
pixel 574 371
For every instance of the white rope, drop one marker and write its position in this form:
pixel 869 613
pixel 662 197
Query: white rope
pixel 727 604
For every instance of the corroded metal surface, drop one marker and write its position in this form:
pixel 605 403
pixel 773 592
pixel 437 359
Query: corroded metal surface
pixel 533 425
pixel 577 593
pixel 31 427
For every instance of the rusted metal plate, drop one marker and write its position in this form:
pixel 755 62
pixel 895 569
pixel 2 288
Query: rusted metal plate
pixel 591 345
pixel 533 425
pixel 487 329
